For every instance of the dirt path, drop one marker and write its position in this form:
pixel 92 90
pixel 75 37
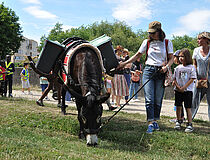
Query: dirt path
pixel 133 107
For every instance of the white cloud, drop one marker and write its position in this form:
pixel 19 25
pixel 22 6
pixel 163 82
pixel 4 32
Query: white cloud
pixel 38 13
pixel 31 1
pixel 66 27
pixel 195 21
pixel 131 11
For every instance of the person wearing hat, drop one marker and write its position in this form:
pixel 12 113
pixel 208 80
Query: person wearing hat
pixel 201 61
pixel 127 68
pixel 159 57
pixel 119 84
pixel 10 68
pixel 176 57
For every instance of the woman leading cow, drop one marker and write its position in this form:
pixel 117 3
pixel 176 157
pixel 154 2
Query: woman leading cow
pixel 157 53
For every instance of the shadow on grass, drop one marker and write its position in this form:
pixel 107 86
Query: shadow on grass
pixel 129 134
pixel 125 134
pixel 200 127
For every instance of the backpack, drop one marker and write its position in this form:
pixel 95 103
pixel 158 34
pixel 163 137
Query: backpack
pixel 148 44
pixel 168 75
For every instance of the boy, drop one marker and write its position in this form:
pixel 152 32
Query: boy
pixel 25 78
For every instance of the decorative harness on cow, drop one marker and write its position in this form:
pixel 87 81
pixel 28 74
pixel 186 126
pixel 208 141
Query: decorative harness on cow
pixel 72 45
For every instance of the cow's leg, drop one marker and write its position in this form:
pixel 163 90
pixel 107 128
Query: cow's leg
pixel 63 102
pixel 81 120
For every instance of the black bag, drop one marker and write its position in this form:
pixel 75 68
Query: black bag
pixel 48 56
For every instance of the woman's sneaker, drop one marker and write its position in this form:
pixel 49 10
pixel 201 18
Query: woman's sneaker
pixel 46 98
pixel 178 125
pixel 150 129
pixel 156 126
pixel 189 128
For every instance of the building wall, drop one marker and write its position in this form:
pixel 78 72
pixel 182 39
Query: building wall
pixel 34 80
pixel 28 48
pixel 33 77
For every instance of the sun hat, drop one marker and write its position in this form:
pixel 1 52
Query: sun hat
pixel 154 26
pixel 177 53
pixel 204 34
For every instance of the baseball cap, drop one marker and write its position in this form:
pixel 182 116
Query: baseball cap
pixel 154 26
pixel 177 53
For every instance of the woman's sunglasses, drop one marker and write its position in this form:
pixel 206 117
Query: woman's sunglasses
pixel 151 32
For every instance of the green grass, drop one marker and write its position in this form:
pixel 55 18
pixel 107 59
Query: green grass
pixel 28 131
pixel 33 87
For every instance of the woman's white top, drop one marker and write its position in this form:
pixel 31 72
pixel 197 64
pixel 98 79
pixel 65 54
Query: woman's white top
pixel 156 52
pixel 202 63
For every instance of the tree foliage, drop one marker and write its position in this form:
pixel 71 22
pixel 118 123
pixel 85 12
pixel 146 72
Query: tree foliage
pixel 120 33
pixel 184 42
pixel 10 31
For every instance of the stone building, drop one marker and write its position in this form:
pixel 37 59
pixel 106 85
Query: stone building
pixel 28 48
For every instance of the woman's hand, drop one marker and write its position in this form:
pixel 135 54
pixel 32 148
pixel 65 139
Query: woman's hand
pixel 181 89
pixel 121 65
pixel 164 69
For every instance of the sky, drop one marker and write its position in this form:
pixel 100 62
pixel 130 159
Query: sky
pixel 178 17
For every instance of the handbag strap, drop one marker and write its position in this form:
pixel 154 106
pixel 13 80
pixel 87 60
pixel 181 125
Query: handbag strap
pixel 166 45
pixel 207 68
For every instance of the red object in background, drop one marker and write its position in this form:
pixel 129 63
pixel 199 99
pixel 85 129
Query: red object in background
pixel 3 72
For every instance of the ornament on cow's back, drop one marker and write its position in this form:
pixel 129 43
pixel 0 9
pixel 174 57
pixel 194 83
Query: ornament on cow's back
pixel 48 56
pixel 104 44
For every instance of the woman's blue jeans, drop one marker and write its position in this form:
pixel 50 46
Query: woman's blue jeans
pixel 153 92
pixel 198 94
pixel 133 89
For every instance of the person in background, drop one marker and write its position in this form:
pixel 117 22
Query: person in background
pixel 120 87
pixel 136 72
pixel 2 77
pixel 52 83
pixel 184 75
pixel 25 79
pixel 107 89
pixel 154 71
pixel 176 62
pixel 127 75
pixel 118 52
pixel 44 84
pixel 10 69
pixel 201 61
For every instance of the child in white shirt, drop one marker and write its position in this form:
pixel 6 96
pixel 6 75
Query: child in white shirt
pixel 184 75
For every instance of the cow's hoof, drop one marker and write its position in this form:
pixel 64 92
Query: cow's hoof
pixel 111 108
pixel 63 111
pixel 81 135
pixel 40 102
pixel 92 140
pixel 59 105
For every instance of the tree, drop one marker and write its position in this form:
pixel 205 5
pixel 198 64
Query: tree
pixel 120 33
pixel 10 32
pixel 184 42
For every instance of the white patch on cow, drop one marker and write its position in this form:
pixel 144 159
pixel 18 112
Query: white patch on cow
pixel 92 139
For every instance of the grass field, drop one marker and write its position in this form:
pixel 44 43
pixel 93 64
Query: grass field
pixel 28 131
